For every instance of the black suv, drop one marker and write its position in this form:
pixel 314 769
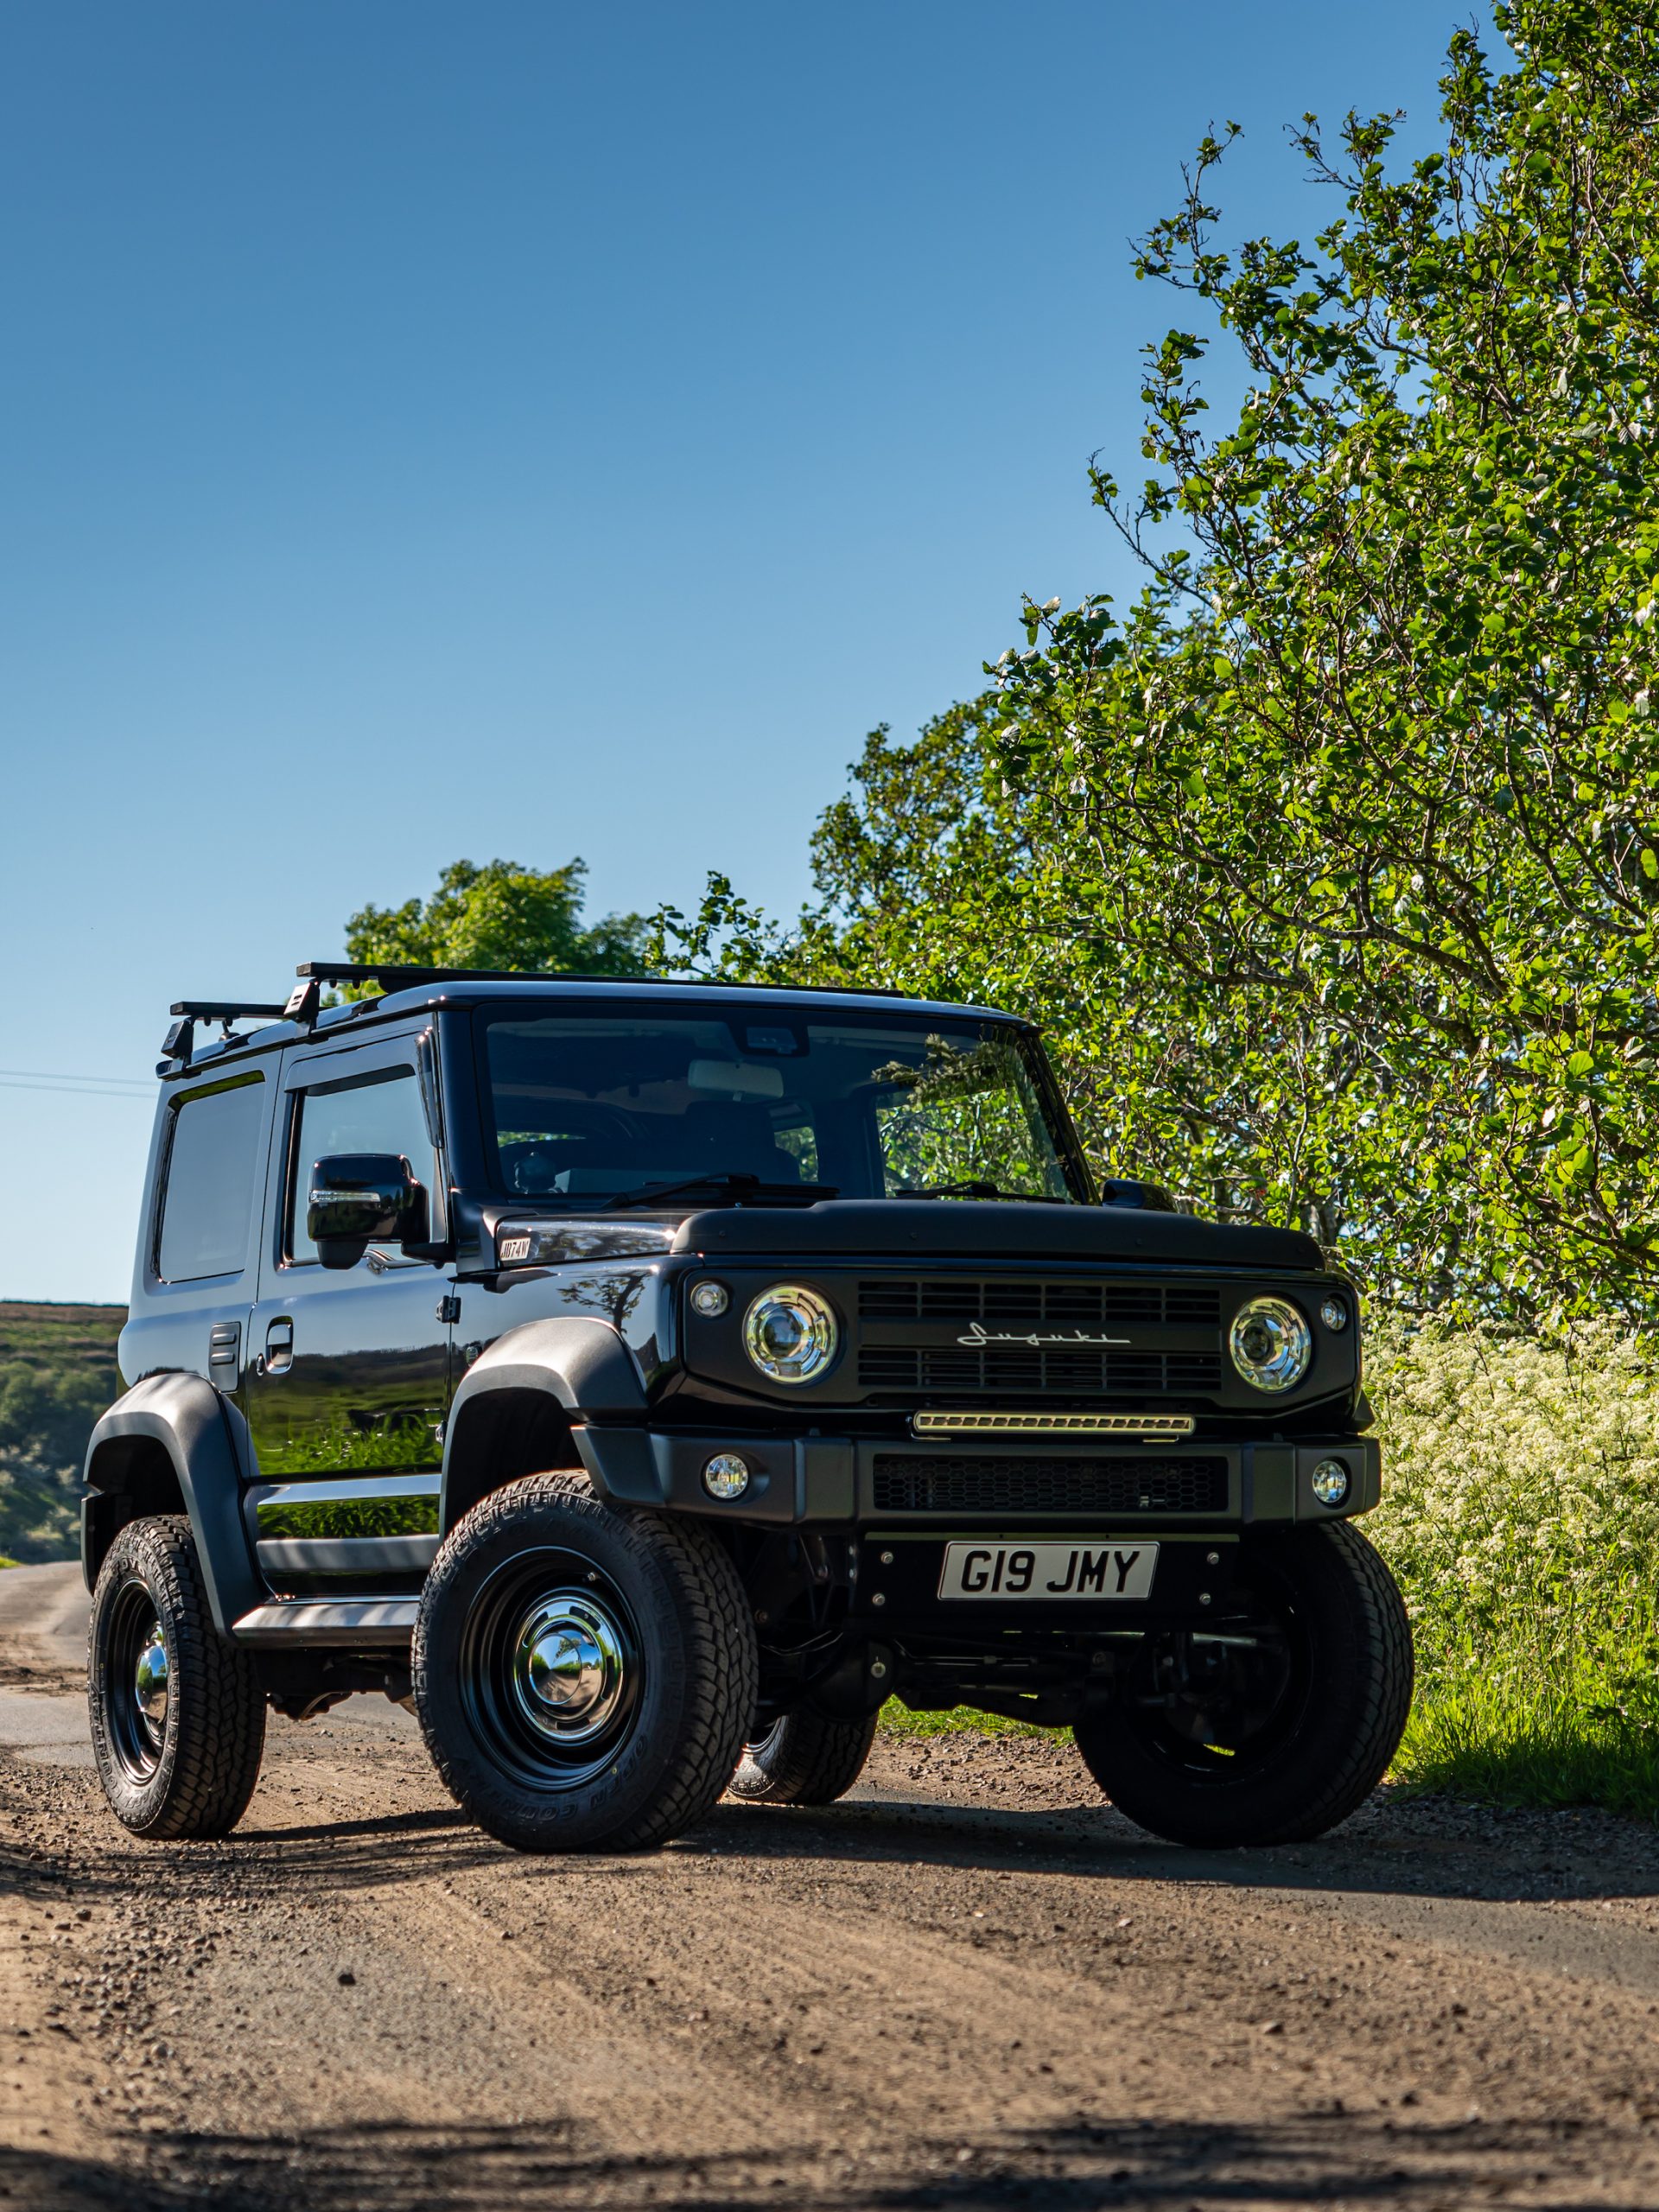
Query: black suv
pixel 649 1380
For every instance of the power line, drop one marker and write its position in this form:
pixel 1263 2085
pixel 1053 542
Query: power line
pixel 84 1086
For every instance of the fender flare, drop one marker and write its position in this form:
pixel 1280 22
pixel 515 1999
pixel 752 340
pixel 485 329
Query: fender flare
pixel 206 1439
pixel 581 1364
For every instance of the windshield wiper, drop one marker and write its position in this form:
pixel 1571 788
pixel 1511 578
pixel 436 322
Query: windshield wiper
pixel 743 1189
pixel 972 1188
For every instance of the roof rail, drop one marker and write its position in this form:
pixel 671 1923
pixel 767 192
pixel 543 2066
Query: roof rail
pixel 401 974
pixel 398 975
pixel 226 1010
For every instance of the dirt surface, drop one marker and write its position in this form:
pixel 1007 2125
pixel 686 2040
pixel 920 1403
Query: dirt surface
pixel 969 1984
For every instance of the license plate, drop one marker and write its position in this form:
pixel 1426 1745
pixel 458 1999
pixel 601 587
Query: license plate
pixel 1049 1571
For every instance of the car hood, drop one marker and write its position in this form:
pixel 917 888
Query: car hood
pixel 981 1229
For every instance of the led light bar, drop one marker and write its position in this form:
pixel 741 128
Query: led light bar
pixel 1151 1428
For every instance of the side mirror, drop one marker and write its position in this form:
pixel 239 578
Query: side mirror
pixel 1126 1191
pixel 359 1199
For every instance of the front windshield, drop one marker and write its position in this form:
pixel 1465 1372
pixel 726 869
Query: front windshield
pixel 585 1107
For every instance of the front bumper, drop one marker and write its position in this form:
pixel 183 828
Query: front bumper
pixel 834 1480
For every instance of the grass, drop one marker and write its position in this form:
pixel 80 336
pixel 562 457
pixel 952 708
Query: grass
pixel 1501 1744
pixel 1521 1518
pixel 898 1720
pixel 57 1374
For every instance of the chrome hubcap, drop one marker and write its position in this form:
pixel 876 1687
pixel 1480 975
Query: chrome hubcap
pixel 567 1674
pixel 150 1685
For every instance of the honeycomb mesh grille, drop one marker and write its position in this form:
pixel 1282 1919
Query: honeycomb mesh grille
pixel 938 1483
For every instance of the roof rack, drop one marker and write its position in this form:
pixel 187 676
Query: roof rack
pixel 398 975
pixel 180 1041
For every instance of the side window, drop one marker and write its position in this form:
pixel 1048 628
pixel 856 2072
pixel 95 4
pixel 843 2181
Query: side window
pixel 380 1112
pixel 208 1193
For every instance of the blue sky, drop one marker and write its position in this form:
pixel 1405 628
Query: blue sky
pixel 532 430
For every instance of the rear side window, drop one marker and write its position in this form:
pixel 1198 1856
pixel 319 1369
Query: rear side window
pixel 209 1192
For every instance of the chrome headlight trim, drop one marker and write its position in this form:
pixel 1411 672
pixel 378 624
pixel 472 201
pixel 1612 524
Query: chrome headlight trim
pixel 1271 1344
pixel 790 1333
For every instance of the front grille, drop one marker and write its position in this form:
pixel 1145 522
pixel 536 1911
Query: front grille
pixel 935 1483
pixel 1021 1366
pixel 1078 1305
pixel 989 1322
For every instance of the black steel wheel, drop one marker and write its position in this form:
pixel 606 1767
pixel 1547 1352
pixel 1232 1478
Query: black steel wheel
pixel 1274 1724
pixel 583 1674
pixel 804 1758
pixel 178 1717
pixel 552 1673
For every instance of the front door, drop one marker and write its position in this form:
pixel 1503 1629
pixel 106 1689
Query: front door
pixel 348 1369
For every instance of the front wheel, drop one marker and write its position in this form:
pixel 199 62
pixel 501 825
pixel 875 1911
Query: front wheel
pixel 584 1677
pixel 804 1758
pixel 178 1717
pixel 1276 1724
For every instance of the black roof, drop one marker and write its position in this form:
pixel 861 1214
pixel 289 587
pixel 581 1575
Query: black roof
pixel 413 991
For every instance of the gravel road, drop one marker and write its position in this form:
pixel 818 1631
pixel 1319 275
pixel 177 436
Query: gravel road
pixel 970 1986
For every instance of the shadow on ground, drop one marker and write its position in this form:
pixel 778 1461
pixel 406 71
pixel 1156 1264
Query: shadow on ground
pixel 399 2168
pixel 439 1842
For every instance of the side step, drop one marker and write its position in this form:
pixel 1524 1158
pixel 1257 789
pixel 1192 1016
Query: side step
pixel 329 1621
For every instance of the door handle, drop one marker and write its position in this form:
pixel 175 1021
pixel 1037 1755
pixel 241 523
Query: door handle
pixel 279 1347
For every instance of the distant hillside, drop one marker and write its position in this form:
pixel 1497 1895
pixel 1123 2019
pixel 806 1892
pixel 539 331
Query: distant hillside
pixel 57 1374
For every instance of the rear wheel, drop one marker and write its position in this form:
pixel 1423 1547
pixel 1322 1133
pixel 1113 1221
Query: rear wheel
pixel 583 1675
pixel 1277 1724
pixel 178 1717
pixel 804 1758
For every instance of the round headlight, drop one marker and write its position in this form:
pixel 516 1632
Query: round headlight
pixel 1270 1342
pixel 790 1333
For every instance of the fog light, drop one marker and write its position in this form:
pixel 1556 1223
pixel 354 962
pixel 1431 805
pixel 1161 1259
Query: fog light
pixel 709 1298
pixel 727 1475
pixel 1331 1482
pixel 1334 1313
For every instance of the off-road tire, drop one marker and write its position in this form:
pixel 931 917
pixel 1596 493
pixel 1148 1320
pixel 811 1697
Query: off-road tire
pixel 804 1758
pixel 197 1779
pixel 673 1594
pixel 1328 1751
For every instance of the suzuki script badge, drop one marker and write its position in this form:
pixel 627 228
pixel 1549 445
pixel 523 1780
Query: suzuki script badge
pixel 979 1335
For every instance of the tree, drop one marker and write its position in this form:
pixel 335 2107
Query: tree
pixel 1333 864
pixel 1370 756
pixel 502 916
